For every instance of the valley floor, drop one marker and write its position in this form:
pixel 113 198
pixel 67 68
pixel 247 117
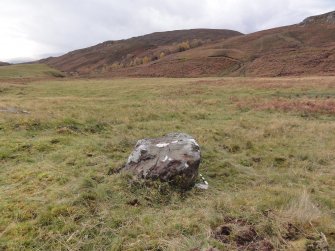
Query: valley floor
pixel 267 147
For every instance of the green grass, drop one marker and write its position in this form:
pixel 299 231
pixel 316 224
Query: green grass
pixel 28 71
pixel 271 170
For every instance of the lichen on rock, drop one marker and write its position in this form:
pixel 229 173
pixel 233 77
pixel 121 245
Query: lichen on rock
pixel 174 158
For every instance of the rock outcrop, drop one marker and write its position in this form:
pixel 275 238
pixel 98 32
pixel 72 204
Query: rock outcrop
pixel 174 158
pixel 328 18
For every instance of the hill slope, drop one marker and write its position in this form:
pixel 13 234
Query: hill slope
pixel 327 18
pixel 3 63
pixel 295 50
pixel 135 51
pixel 28 71
pixel 303 49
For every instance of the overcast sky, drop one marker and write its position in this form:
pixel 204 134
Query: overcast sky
pixel 32 29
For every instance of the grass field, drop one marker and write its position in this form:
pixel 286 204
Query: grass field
pixel 28 71
pixel 267 147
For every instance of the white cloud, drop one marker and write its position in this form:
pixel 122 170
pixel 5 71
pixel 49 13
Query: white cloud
pixel 33 28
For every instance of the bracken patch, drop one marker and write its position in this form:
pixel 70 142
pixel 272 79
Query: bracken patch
pixel 312 106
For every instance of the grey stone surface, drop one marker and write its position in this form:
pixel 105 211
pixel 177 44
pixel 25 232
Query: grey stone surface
pixel 173 158
pixel 327 18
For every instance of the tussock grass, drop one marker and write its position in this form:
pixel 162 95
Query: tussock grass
pixel 302 210
pixel 269 171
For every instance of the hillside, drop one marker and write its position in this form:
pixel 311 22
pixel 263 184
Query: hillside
pixel 297 50
pixel 111 55
pixel 28 71
pixel 3 63
pixel 288 51
pixel 327 18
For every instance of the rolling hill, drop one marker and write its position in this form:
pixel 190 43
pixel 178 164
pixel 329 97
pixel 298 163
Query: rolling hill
pixel 111 55
pixel 24 71
pixel 3 63
pixel 302 49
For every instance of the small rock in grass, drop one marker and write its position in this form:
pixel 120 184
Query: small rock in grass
pixel 202 186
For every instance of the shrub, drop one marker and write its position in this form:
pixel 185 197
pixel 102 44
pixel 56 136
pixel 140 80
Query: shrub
pixel 146 60
pixel 196 43
pixel 115 65
pixel 184 46
pixel 138 61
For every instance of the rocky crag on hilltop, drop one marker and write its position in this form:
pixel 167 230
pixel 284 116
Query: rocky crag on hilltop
pixel 327 18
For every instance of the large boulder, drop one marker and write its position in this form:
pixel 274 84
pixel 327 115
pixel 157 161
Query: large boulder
pixel 174 158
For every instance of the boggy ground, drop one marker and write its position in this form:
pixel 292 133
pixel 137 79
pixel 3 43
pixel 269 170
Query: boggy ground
pixel 268 154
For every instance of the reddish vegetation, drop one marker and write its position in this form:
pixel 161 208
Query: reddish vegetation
pixel 174 67
pixel 299 50
pixel 115 56
pixel 321 106
pixel 287 51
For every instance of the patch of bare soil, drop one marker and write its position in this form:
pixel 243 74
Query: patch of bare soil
pixel 243 235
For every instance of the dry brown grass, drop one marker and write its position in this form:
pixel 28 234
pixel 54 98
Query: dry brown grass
pixel 302 210
pixel 309 106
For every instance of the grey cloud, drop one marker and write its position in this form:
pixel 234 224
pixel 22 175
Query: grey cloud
pixel 63 25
